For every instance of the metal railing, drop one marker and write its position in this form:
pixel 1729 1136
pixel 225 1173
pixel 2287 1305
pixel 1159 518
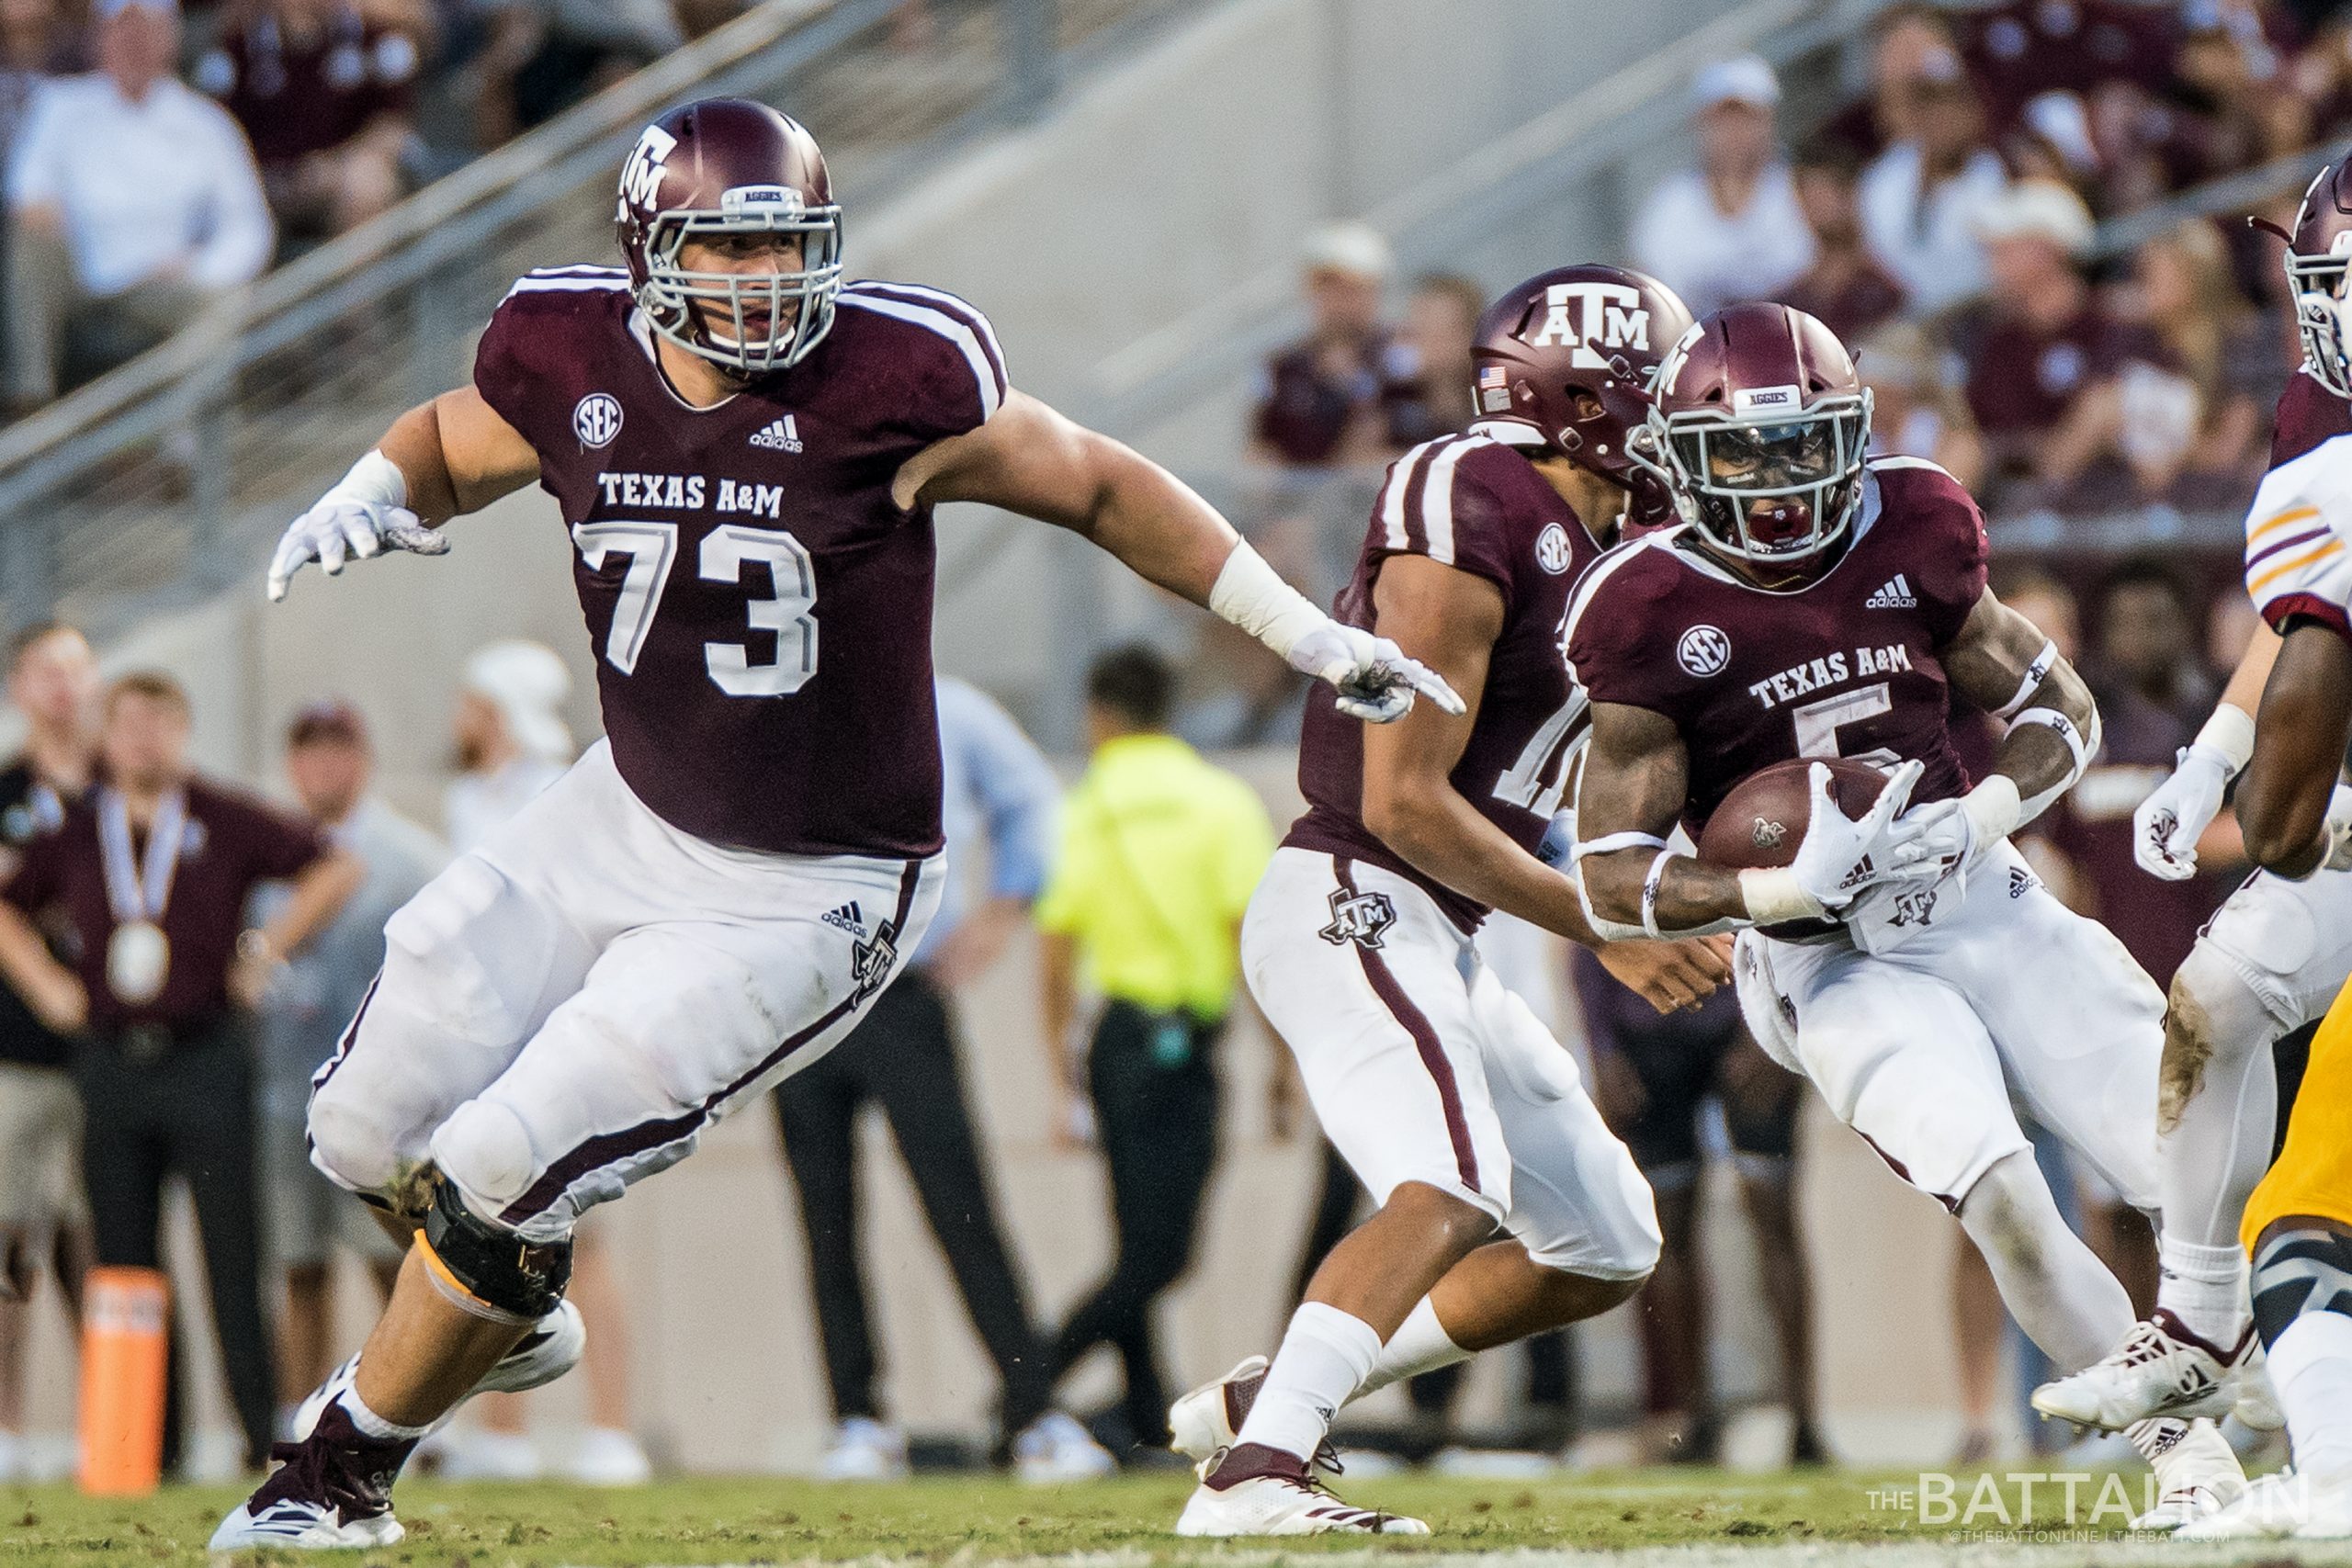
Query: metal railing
pixel 151 485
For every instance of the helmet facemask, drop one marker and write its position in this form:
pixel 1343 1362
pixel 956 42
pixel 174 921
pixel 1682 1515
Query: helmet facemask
pixel 2318 284
pixel 798 306
pixel 1808 463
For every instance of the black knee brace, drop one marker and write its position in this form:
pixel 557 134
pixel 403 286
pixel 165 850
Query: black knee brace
pixel 495 1271
pixel 2305 1269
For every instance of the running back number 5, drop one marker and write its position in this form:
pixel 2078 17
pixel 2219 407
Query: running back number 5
pixel 1818 723
pixel 726 551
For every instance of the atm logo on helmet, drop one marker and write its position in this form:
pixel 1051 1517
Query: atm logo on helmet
pixel 641 180
pixel 1591 317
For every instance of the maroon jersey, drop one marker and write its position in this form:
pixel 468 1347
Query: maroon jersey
pixel 2022 379
pixel 229 843
pixel 759 606
pixel 1472 502
pixel 1846 666
pixel 299 97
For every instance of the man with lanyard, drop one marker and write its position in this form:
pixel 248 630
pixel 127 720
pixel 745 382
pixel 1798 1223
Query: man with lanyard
pixel 1160 852
pixel 52 681
pixel 150 874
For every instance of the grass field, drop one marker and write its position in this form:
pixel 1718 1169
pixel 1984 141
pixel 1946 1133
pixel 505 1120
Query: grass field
pixel 1685 1519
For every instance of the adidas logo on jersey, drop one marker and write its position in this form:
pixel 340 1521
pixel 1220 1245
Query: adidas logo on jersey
pixel 1895 594
pixel 847 917
pixel 781 435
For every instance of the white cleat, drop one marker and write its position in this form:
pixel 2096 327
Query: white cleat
pixel 865 1450
pixel 1055 1449
pixel 608 1457
pixel 2198 1477
pixel 2160 1370
pixel 304 1527
pixel 1275 1494
pixel 2272 1508
pixel 552 1348
pixel 2257 1406
pixel 1210 1417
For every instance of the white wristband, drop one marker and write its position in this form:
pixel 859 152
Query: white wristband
pixel 1775 896
pixel 1253 597
pixel 374 480
pixel 1994 808
pixel 2229 734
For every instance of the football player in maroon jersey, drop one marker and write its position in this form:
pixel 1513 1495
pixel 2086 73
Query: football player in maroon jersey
pixel 746 451
pixel 1814 603
pixel 1507 1207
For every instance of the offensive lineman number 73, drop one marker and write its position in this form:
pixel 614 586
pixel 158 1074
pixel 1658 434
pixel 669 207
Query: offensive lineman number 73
pixel 726 551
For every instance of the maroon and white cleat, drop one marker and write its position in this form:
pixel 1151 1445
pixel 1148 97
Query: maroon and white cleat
pixel 1255 1490
pixel 1209 1418
pixel 331 1490
pixel 2162 1370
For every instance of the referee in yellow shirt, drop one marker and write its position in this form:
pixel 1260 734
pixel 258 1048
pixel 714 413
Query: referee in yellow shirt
pixel 1160 852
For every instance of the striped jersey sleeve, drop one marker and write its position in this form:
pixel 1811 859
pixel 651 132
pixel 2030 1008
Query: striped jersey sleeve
pixel 1434 503
pixel 2298 540
pixel 539 318
pixel 963 380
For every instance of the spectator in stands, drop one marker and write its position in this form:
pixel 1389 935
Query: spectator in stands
pixel 2059 386
pixel 1432 398
pixel 546 55
pixel 1319 399
pixel 323 93
pixel 44 1214
pixel 905 1060
pixel 1905 38
pixel 328 764
pixel 1845 287
pixel 135 201
pixel 2153 691
pixel 511 738
pixel 1729 228
pixel 1918 412
pixel 2022 49
pixel 1921 197
pixel 154 870
pixel 2181 291
pixel 1158 855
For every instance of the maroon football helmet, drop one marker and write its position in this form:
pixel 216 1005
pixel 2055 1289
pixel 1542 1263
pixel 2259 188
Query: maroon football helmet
pixel 730 166
pixel 1572 352
pixel 2317 252
pixel 1759 428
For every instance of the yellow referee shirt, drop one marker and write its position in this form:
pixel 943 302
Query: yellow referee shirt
pixel 1160 852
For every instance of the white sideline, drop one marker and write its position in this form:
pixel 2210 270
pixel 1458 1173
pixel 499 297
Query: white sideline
pixel 1726 1555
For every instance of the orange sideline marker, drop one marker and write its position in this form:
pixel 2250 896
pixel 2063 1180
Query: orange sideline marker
pixel 124 1324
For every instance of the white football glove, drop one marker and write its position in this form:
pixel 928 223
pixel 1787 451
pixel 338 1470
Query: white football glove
pixel 1377 684
pixel 1935 841
pixel 337 530
pixel 1842 856
pixel 2340 832
pixel 2166 826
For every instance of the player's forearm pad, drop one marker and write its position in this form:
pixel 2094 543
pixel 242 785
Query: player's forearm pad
pixel 1253 597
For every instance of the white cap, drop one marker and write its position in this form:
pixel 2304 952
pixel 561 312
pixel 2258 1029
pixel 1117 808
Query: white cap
pixel 1349 246
pixel 2059 120
pixel 528 683
pixel 2038 209
pixel 1744 79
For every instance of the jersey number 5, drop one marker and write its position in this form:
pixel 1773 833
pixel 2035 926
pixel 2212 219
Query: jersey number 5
pixel 1818 723
pixel 726 551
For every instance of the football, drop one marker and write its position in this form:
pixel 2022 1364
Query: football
pixel 1763 818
